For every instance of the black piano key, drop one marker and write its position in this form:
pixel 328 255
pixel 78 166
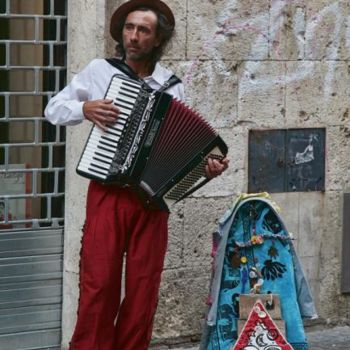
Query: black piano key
pixel 125 94
pixel 103 155
pixel 124 107
pixel 126 84
pixel 86 169
pixel 123 112
pixel 96 171
pixel 89 158
pixel 117 89
pixel 123 116
pixel 124 101
pixel 117 126
pixel 104 148
pixel 108 139
pixel 102 160
pixel 95 140
pixel 111 133
pixel 99 167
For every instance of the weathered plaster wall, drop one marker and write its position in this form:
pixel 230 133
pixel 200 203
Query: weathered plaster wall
pixel 246 64
pixel 86 33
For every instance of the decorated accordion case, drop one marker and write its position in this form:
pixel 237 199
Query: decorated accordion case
pixel 158 144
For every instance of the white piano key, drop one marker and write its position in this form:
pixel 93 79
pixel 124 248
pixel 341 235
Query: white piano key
pixel 109 133
pixel 112 95
pixel 121 121
pixel 132 90
pixel 100 156
pixel 105 143
pixel 93 172
pixel 129 84
pixel 102 148
pixel 119 125
pixel 89 161
pixel 99 136
pixel 109 142
pixel 123 109
pixel 105 139
pixel 119 81
pixel 119 90
pixel 102 159
pixel 97 145
pixel 116 127
pixel 121 104
pixel 122 98
pixel 113 133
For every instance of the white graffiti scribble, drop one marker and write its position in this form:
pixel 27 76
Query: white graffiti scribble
pixel 305 35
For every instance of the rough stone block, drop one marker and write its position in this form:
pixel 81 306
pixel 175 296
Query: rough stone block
pixel 181 306
pixel 330 257
pixel 310 267
pixel 70 306
pixel 173 258
pixel 225 29
pixel 311 223
pixel 287 29
pixel 200 221
pixel 338 145
pixel 211 89
pixel 326 34
pixel 315 291
pixel 76 189
pixel 289 205
pixel 317 93
pixel 86 33
pixel 261 95
pixel 177 48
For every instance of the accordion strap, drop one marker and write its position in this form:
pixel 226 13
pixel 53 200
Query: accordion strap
pixel 123 67
pixel 173 80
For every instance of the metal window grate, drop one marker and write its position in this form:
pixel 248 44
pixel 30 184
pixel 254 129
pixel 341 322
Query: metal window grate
pixel 32 152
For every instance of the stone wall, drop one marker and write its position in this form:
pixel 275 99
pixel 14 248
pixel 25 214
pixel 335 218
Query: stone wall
pixel 246 65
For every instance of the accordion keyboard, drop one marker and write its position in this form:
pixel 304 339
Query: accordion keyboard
pixel 101 147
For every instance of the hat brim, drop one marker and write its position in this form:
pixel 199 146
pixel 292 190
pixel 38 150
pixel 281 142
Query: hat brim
pixel 123 10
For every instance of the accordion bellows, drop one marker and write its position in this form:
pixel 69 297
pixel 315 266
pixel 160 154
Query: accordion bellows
pixel 158 144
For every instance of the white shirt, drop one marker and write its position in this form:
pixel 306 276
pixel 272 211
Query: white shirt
pixel 66 108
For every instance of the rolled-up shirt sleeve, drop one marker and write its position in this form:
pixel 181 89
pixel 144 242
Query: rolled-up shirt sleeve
pixel 177 91
pixel 66 108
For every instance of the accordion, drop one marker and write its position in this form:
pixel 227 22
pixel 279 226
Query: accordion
pixel 157 144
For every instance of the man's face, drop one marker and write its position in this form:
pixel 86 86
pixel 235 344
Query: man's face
pixel 139 35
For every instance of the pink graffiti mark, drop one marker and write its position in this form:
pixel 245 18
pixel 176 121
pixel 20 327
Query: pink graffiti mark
pixel 226 29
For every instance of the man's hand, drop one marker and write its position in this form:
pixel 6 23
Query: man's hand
pixel 215 167
pixel 100 112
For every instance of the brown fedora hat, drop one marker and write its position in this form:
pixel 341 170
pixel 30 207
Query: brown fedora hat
pixel 123 10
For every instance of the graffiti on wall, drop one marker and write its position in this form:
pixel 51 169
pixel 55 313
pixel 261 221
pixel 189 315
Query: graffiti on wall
pixel 266 29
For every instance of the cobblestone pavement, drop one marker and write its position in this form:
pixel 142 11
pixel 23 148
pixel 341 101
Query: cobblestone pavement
pixel 337 338
pixel 330 339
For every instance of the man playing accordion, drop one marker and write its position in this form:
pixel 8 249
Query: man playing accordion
pixel 117 223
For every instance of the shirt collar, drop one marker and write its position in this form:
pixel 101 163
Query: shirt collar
pixel 160 74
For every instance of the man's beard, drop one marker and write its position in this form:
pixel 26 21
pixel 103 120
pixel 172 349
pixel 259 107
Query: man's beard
pixel 139 56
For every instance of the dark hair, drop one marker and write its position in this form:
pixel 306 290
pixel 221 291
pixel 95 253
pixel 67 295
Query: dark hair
pixel 164 30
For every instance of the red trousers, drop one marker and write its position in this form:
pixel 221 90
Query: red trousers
pixel 117 223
